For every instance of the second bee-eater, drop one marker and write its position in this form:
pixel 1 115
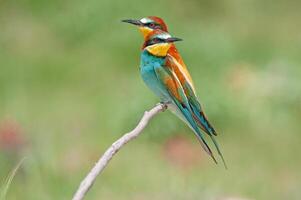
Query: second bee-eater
pixel 164 71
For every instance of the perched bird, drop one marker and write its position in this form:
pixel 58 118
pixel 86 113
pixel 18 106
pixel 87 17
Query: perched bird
pixel 146 26
pixel 165 73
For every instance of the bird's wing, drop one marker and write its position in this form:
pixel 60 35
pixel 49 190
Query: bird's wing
pixel 175 90
pixel 184 77
pixel 185 81
pixel 176 62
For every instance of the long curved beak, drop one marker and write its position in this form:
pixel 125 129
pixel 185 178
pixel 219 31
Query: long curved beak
pixel 173 39
pixel 132 21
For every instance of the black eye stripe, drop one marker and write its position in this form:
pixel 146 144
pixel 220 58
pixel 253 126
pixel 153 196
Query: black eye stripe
pixel 154 41
pixel 152 25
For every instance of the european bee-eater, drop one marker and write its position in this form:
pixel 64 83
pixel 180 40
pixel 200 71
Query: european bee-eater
pixel 165 73
pixel 146 26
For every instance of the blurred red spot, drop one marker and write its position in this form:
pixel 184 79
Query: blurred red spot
pixel 240 77
pixel 11 136
pixel 182 153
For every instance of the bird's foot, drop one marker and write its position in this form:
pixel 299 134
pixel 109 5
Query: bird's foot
pixel 164 105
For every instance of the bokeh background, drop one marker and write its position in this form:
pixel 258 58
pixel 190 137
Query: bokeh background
pixel 70 86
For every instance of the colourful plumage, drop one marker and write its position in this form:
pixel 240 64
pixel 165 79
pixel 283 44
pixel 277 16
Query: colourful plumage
pixel 165 73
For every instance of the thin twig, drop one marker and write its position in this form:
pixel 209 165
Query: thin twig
pixel 9 179
pixel 87 183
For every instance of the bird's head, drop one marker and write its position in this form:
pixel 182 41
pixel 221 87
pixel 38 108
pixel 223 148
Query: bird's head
pixel 147 24
pixel 158 43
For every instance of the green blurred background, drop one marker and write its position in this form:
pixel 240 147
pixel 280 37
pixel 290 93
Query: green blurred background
pixel 70 86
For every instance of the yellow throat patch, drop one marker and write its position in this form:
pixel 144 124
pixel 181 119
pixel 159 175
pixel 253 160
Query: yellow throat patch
pixel 160 49
pixel 145 31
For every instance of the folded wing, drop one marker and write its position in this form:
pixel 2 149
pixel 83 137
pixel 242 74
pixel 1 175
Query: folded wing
pixel 181 73
pixel 177 95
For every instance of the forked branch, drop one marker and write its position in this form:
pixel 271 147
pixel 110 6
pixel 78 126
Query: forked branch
pixel 87 183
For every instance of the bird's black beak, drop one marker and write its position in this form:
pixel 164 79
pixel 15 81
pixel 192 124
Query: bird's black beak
pixel 132 21
pixel 173 39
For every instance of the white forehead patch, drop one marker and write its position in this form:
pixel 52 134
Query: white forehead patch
pixel 145 20
pixel 164 36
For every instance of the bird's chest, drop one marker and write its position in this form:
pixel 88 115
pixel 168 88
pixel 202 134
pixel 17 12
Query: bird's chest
pixel 149 76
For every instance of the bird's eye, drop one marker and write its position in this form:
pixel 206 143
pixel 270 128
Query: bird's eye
pixel 156 40
pixel 152 25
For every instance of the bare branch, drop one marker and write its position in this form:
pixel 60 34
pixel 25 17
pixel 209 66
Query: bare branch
pixel 87 183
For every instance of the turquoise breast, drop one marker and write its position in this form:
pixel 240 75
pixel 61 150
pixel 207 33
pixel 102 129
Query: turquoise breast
pixel 149 76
